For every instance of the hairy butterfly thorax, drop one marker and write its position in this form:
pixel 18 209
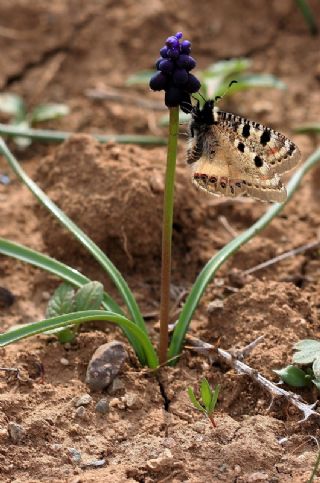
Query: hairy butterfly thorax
pixel 233 156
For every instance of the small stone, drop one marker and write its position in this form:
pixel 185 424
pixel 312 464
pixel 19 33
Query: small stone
pixel 116 403
pixel 56 447
pixel 116 385
pixel 215 306
pixel 132 400
pixel 95 463
pixel 105 365
pixel 237 469
pixel 80 412
pixel 16 432
pixel 102 406
pixel 75 455
pixel 163 461
pixel 83 400
pixel 258 476
pixel 64 361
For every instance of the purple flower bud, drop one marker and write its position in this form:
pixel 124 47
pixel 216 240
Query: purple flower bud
pixel 185 47
pixel 173 53
pixel 173 96
pixel 192 85
pixel 178 35
pixel 166 66
pixel 172 42
pixel 158 81
pixel 158 63
pixel 164 52
pixel 180 77
pixel 186 61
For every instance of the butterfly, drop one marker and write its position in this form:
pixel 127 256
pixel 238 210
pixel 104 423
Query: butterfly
pixel 233 156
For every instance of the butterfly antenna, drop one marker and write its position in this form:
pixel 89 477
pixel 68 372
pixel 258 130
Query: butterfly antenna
pixel 230 84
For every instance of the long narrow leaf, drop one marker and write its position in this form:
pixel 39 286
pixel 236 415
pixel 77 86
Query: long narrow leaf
pixel 214 399
pixel 311 128
pixel 91 247
pixel 77 318
pixel 215 263
pixel 194 400
pixel 67 274
pixel 52 136
pixel 206 393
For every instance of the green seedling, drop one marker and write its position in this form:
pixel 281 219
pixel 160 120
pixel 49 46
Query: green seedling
pixel 23 120
pixel 307 355
pixel 208 399
pixel 308 16
pixel 67 300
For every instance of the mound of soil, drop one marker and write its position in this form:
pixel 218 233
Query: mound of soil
pixel 115 194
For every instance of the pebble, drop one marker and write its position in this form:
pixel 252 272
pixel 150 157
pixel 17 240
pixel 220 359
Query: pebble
pixel 258 476
pixel 16 432
pixel 105 365
pixel 83 400
pixel 80 412
pixel 75 455
pixel 132 400
pixel 116 385
pixel 215 306
pixel 64 361
pixel 164 460
pixel 102 406
pixel 95 463
pixel 115 402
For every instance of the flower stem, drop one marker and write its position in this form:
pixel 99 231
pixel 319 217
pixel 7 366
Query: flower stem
pixel 167 232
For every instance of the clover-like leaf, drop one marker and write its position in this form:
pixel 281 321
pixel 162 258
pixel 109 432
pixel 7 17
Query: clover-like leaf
pixel 89 297
pixel 308 351
pixel 307 344
pixel 62 301
pixel 294 376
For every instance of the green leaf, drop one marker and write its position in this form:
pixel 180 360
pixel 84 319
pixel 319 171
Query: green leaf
pixel 294 376
pixel 214 399
pixel 308 15
pixel 224 68
pixel 47 112
pixel 89 297
pixel 206 393
pixel 210 269
pixel 316 367
pixel 311 128
pixel 307 345
pixel 77 318
pixel 194 400
pixel 141 77
pixel 62 301
pixel 305 356
pixel 13 105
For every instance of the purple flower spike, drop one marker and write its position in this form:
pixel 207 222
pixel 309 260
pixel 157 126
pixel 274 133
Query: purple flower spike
pixel 164 52
pixel 185 47
pixel 173 73
pixel 172 42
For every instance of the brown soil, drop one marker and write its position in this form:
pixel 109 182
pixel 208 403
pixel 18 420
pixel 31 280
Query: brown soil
pixel 55 52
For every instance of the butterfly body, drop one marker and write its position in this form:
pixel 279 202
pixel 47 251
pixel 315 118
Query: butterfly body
pixel 233 156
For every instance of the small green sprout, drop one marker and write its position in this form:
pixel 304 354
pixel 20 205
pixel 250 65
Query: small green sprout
pixel 308 355
pixel 15 107
pixel 209 398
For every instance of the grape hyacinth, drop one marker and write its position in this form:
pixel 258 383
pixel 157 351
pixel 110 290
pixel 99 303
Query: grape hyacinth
pixel 173 74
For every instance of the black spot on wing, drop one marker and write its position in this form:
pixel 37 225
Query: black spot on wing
pixel 265 137
pixel 246 130
pixel 291 149
pixel 241 147
pixel 258 161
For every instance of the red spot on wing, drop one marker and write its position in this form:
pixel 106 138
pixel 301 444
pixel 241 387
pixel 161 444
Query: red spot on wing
pixel 273 151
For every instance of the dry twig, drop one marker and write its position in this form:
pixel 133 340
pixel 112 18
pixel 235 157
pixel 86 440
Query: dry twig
pixel 242 368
